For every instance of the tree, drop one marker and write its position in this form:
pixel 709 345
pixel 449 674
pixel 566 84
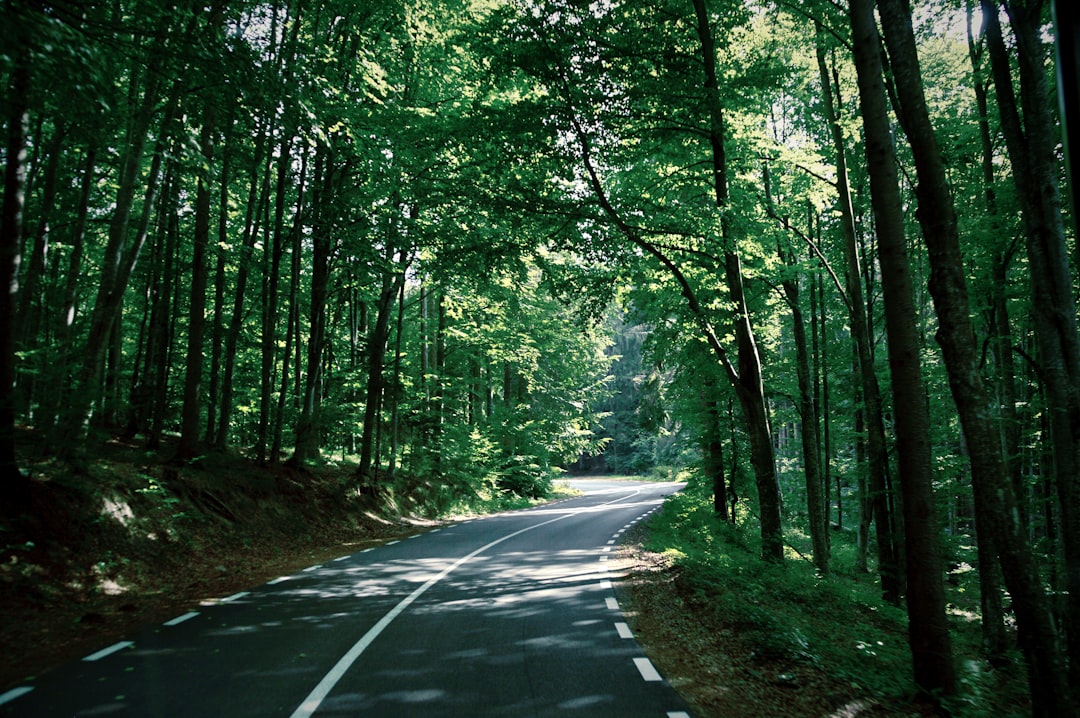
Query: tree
pixel 996 506
pixel 931 645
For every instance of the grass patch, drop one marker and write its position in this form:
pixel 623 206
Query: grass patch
pixel 835 623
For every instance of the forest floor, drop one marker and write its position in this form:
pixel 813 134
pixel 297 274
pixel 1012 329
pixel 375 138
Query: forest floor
pixel 127 540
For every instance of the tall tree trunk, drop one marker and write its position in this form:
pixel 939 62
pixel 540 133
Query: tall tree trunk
pixel 1030 143
pixel 31 307
pixel 749 387
pixel 713 449
pixel 995 635
pixel 308 428
pixel 395 411
pixel 376 357
pixel 163 315
pixel 11 220
pixel 876 499
pixel 218 334
pixel 193 366
pixel 811 444
pixel 928 628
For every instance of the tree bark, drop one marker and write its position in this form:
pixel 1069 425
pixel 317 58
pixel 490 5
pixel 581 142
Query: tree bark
pixel 749 387
pixel 187 447
pixel 928 629
pixel 1030 143
pixel 308 429
pixel 11 220
pixel 876 505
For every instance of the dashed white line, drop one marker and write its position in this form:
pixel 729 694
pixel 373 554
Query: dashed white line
pixel 678 714
pixel 606 549
pixel 109 651
pixel 611 603
pixel 14 693
pixel 341 558
pixel 623 630
pixel 611 542
pixel 235 597
pixel 605 585
pixel 312 568
pixel 647 671
pixel 180 619
pixel 604 558
pixel 391 543
pixel 279 579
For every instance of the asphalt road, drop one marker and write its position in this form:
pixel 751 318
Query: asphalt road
pixel 506 615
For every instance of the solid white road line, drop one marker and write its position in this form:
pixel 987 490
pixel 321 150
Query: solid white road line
pixel 647 671
pixel 180 619
pixel 623 630
pixel 109 651
pixel 14 693
pixel 314 699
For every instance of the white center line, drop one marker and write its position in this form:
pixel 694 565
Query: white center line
pixel 109 651
pixel 14 693
pixel 647 671
pixel 180 619
pixel 322 690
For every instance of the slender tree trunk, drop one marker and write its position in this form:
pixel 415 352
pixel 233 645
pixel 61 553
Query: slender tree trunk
pixel 817 516
pixel 11 220
pixel 308 429
pixel 32 286
pixel 395 411
pixel 749 387
pixel 218 334
pixel 876 498
pixel 187 447
pixel 376 358
pixel 713 449
pixel 1030 142
pixel 162 314
pixel 928 629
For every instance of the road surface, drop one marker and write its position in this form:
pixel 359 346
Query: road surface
pixel 507 615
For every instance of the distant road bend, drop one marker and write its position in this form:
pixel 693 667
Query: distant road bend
pixel 506 615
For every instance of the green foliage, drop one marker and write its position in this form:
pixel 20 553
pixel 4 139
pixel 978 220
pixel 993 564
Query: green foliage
pixel 790 611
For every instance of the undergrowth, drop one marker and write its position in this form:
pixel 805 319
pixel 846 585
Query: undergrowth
pixel 836 622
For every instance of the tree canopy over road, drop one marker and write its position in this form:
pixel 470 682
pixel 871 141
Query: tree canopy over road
pixel 822 253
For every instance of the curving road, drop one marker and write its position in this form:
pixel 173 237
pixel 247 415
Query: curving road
pixel 507 615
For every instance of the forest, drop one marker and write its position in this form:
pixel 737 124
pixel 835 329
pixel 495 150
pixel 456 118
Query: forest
pixel 818 255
